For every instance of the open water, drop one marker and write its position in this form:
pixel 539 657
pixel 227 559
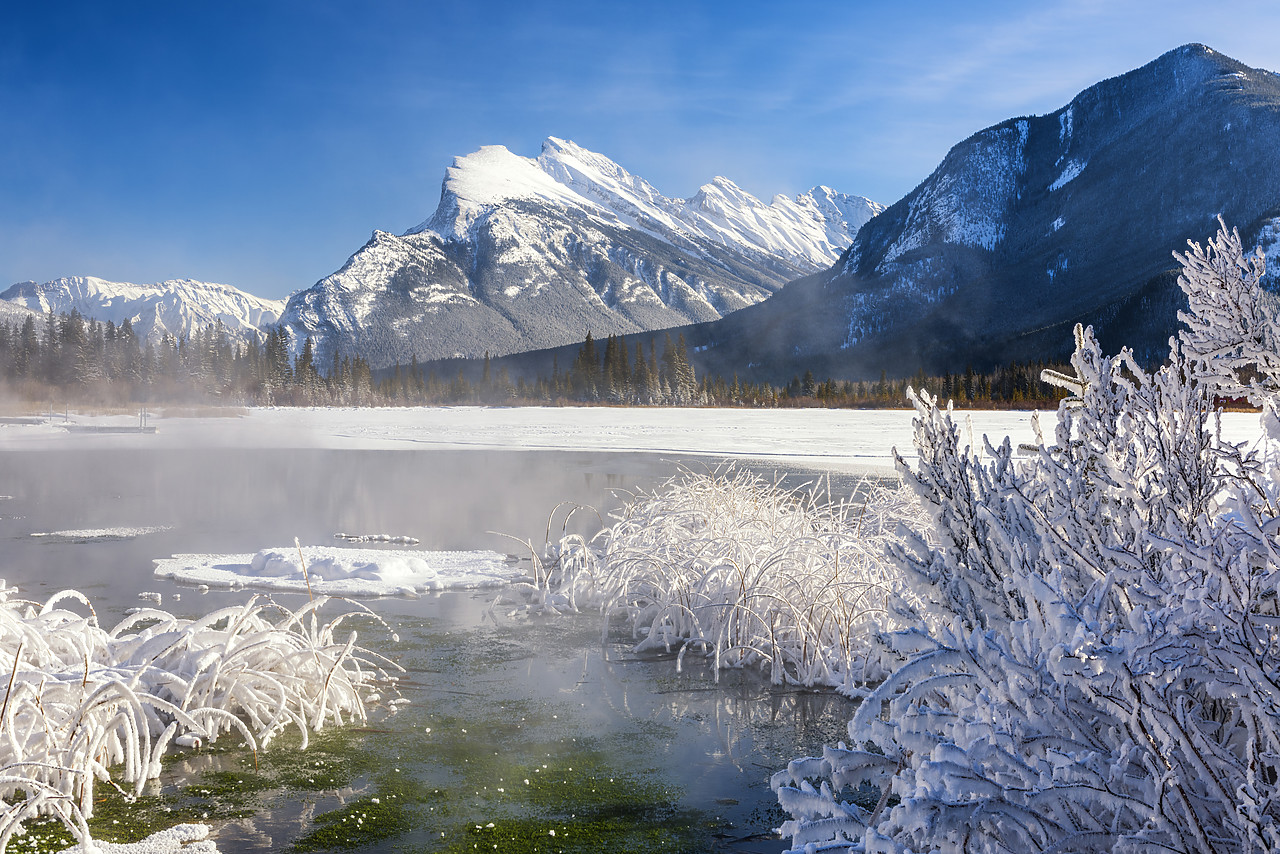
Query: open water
pixel 546 689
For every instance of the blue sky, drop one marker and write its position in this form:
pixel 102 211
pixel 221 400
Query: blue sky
pixel 259 143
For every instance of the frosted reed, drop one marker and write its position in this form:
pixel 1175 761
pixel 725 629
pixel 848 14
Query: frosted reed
pixel 88 705
pixel 736 567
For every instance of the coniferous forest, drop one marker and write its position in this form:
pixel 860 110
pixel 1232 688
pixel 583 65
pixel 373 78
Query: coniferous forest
pixel 69 358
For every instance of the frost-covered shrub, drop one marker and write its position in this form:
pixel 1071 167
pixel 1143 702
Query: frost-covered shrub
pixel 1095 661
pixel 82 700
pixel 750 573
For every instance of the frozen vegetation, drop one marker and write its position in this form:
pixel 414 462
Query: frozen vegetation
pixel 1093 660
pixel 87 706
pixel 733 566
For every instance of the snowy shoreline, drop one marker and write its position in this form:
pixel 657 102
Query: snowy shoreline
pixel 837 439
pixel 834 439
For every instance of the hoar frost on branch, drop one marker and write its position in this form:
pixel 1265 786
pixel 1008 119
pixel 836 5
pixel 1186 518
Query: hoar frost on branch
pixel 1095 660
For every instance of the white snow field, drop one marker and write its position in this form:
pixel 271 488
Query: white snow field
pixel 334 571
pixel 835 439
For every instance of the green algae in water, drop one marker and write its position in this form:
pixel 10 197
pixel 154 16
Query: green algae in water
pixel 233 789
pixel 446 774
pixel 359 823
pixel 581 835
pixel 43 834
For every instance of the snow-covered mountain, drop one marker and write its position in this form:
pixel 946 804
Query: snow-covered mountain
pixel 178 307
pixel 523 253
pixel 1032 225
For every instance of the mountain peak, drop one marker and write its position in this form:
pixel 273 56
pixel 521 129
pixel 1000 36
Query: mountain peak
pixel 570 178
pixel 720 194
pixel 489 177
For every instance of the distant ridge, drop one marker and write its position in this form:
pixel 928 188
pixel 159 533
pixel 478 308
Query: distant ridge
pixel 1032 225
pixel 179 307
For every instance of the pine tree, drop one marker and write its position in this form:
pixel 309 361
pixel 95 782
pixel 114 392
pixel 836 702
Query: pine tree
pixel 621 373
pixel 584 377
pixel 641 380
pixel 688 382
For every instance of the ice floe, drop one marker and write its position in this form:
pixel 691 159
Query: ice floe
pixel 334 571
pixel 377 538
pixel 180 839
pixel 87 534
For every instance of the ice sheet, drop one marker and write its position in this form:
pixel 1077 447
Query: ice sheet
pixel 840 439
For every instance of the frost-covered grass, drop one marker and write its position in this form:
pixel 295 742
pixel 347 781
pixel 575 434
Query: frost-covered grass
pixel 85 705
pixel 734 566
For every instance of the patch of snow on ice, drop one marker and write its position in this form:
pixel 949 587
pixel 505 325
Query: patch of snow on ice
pixel 103 534
pixel 179 839
pixel 377 538
pixel 334 571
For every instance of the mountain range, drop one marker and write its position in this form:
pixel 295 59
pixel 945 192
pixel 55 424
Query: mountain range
pixel 178 307
pixel 1024 229
pixel 523 253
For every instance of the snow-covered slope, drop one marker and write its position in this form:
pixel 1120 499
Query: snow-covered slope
pixel 523 253
pixel 178 307
pixel 12 314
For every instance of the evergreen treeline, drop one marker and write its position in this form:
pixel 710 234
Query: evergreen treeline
pixel 69 357
pixel 1014 386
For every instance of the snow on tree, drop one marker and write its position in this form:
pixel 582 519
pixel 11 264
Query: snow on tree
pixel 1095 663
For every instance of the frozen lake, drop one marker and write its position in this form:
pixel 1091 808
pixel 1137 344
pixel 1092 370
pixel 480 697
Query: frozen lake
pixel 94 511
pixel 825 438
